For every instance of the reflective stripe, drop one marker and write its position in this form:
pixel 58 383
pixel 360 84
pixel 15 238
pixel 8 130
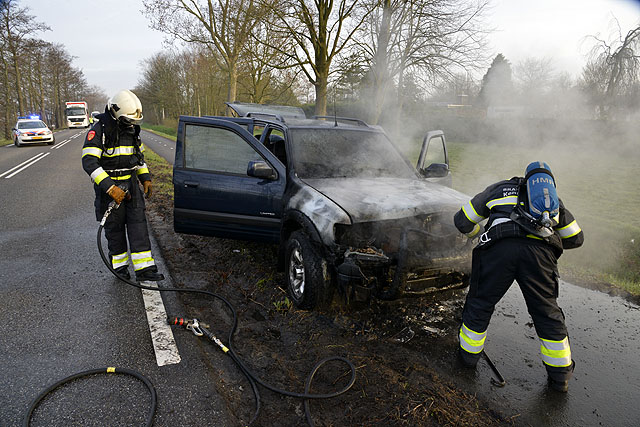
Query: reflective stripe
pixel 556 353
pixel 121 178
pixel 142 260
pixel 98 175
pixel 120 260
pixel 142 169
pixel 123 150
pixel 472 233
pixel 142 148
pixel 471 341
pixel 92 151
pixel 509 200
pixel 471 213
pixel 570 230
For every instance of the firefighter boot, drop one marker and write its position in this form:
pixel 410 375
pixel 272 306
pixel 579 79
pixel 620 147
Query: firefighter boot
pixel 468 360
pixel 560 382
pixel 123 272
pixel 149 274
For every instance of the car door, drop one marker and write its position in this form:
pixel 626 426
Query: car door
pixel 213 193
pixel 433 162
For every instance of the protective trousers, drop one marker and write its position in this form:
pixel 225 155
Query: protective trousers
pixel 128 220
pixel 533 265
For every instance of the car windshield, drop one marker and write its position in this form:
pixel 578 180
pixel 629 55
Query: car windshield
pixel 78 111
pixel 35 124
pixel 345 153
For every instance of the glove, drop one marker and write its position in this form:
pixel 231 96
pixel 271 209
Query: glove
pixel 147 188
pixel 116 193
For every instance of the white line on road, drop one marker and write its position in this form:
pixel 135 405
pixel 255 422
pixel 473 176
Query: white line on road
pixel 34 159
pixel 55 147
pixel 164 344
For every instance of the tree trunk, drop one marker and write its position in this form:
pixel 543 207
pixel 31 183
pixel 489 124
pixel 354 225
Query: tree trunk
pixel 381 65
pixel 321 95
pixel 18 87
pixel 7 98
pixel 233 81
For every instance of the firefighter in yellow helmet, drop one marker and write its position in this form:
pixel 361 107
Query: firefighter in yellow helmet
pixel 113 157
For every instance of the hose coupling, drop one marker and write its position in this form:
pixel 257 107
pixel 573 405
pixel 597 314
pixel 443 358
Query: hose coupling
pixel 194 326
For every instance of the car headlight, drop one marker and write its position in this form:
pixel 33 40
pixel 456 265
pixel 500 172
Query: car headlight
pixel 48 132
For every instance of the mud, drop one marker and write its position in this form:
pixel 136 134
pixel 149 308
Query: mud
pixel 404 350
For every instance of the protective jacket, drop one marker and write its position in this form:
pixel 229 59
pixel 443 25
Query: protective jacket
pixel 107 160
pixel 496 203
pixel 113 155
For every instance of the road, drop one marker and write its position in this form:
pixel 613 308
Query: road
pixel 63 312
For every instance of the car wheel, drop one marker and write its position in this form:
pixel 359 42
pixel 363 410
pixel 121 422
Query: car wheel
pixel 16 143
pixel 308 277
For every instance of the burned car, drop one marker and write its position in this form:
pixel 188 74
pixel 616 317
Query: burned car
pixel 346 207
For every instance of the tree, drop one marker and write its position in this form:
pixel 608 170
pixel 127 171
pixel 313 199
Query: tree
pixel 16 24
pixel 223 26
pixel 613 72
pixel 431 40
pixel 320 30
pixel 497 85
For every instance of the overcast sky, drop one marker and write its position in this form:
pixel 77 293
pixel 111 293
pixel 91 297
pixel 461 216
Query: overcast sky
pixel 110 38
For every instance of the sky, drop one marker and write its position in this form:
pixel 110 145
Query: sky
pixel 110 38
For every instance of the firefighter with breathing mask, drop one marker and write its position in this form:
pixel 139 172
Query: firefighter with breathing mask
pixel 526 231
pixel 112 156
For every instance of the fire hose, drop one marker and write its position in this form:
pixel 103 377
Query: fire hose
pixel 251 377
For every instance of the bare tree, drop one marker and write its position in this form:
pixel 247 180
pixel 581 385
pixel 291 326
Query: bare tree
pixel 223 26
pixel 16 24
pixel 613 70
pixel 429 39
pixel 320 30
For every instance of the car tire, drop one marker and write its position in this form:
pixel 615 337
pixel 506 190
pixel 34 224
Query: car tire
pixel 308 277
pixel 16 143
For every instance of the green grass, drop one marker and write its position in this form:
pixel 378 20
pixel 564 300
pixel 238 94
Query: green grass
pixel 161 173
pixel 598 185
pixel 164 131
pixel 5 142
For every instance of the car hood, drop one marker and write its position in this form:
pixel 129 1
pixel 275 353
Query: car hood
pixel 372 199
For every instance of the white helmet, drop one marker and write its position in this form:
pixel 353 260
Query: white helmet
pixel 125 107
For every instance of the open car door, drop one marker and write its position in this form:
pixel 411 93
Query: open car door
pixel 433 162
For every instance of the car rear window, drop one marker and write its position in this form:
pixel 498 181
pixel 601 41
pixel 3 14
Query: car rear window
pixel 31 124
pixel 344 153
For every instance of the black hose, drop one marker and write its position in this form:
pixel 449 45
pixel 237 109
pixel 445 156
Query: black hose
pixel 252 378
pixel 110 370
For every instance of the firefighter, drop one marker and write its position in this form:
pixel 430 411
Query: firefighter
pixel 112 156
pixel 513 247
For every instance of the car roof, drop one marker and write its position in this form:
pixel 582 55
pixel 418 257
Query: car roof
pixel 245 109
pixel 32 120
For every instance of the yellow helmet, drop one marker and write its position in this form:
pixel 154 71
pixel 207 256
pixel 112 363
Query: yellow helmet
pixel 125 107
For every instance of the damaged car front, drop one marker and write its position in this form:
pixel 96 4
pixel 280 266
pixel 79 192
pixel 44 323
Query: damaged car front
pixel 386 227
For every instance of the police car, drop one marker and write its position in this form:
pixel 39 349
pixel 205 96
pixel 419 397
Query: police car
pixel 31 131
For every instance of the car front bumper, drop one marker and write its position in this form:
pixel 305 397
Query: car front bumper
pixel 36 139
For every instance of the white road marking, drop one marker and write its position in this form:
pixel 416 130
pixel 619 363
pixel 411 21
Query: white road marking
pixel 55 147
pixel 164 344
pixel 26 164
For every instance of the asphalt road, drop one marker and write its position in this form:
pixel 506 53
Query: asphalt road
pixel 62 312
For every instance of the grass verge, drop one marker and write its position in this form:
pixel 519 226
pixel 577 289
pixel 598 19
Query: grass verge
pixel 5 142
pixel 161 173
pixel 164 131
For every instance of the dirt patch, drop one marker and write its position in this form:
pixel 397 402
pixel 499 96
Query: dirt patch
pixel 390 343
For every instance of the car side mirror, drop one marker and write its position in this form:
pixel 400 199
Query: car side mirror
pixel 435 170
pixel 261 169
